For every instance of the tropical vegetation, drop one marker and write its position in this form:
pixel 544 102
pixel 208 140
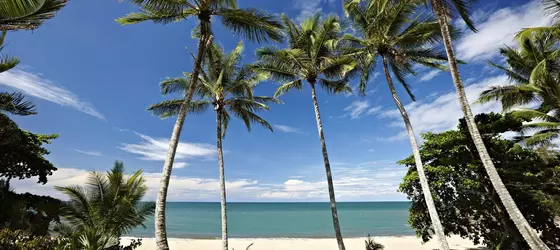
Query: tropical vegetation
pixel 388 34
pixel 313 55
pixel 473 181
pixel 252 24
pixel 226 85
pixel 463 193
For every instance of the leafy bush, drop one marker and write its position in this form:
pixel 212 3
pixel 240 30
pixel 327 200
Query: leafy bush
pixel 18 240
pixel 372 245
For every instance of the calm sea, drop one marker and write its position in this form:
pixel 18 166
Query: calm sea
pixel 278 220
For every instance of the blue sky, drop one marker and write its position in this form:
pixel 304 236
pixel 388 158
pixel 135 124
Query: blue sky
pixel 92 79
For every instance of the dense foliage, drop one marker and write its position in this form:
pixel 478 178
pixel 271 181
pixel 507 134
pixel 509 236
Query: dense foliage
pixel 20 240
pixel 22 153
pixel 106 208
pixel 466 201
pixel 27 212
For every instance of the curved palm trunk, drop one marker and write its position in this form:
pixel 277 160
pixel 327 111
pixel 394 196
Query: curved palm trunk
pixel 160 230
pixel 528 233
pixel 438 228
pixel 222 180
pixel 327 169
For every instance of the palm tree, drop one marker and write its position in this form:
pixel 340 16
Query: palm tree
pixel 389 34
pixel 253 24
pixel 313 56
pixel 445 9
pixel 107 207
pixel 227 85
pixel 533 68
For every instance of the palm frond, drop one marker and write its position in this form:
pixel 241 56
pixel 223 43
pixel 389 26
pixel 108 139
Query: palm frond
pixel 27 14
pixel 156 16
pixel 253 24
pixel 16 104
pixel 336 86
pixel 552 7
pixel 298 84
pixel 171 108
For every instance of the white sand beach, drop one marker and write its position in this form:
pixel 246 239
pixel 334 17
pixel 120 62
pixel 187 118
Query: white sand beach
pixel 390 243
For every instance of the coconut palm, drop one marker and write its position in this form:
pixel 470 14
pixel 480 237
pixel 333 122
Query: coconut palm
pixel 253 24
pixel 533 70
pixel 107 207
pixel 445 10
pixel 389 34
pixel 312 56
pixel 226 85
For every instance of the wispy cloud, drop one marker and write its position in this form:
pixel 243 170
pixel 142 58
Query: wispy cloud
pixel 93 153
pixel 357 108
pixel 34 85
pixel 180 164
pixel 499 29
pixel 430 75
pixel 155 149
pixel 308 8
pixel 286 128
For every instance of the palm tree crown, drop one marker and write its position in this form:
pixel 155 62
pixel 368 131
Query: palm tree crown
pixel 394 32
pixel 533 70
pixel 110 203
pixel 313 55
pixel 253 24
pixel 225 85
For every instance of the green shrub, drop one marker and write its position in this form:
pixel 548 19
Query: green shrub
pixel 372 245
pixel 18 240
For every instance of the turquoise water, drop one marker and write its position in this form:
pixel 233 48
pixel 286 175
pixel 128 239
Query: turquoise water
pixel 300 220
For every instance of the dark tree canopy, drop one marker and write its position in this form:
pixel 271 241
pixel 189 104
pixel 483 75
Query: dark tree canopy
pixel 466 201
pixel 27 212
pixel 22 153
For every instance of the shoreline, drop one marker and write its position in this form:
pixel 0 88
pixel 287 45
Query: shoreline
pixel 390 243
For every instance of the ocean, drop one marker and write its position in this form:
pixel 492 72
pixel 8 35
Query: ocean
pixel 282 220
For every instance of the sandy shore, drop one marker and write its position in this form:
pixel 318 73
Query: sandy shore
pixel 390 243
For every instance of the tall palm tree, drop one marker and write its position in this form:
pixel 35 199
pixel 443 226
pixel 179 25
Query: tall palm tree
pixel 313 56
pixel 533 68
pixel 227 85
pixel 107 207
pixel 253 24
pixel 445 10
pixel 387 33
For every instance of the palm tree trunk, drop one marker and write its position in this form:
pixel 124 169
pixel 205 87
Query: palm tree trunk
pixel 160 230
pixel 528 233
pixel 327 168
pixel 222 179
pixel 438 228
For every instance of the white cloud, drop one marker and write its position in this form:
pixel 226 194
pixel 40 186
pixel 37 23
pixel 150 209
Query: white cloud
pixel 94 153
pixel 307 8
pixel 352 183
pixel 180 164
pixel 180 188
pixel 430 75
pixel 285 128
pixel 156 149
pixel 357 108
pixel 498 29
pixel 33 85
pixel 443 113
pixel 359 182
pixel 374 110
